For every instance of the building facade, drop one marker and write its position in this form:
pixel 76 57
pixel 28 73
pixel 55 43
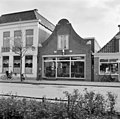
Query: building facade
pixel 65 55
pixel 107 60
pixel 26 30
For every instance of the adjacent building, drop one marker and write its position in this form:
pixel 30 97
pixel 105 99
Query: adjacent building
pixel 26 30
pixel 66 55
pixel 107 59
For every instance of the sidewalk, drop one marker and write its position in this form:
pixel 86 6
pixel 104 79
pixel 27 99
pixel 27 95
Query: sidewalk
pixel 64 82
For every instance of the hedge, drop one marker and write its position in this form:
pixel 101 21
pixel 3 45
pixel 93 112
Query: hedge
pixel 89 105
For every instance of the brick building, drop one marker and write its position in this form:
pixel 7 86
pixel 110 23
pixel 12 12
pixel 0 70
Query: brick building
pixel 107 60
pixel 65 55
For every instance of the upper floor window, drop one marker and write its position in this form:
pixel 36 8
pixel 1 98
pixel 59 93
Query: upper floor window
pixel 18 38
pixel 29 37
pixel 6 39
pixel 63 42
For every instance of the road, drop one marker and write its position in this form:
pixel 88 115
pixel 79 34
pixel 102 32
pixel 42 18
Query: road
pixel 53 91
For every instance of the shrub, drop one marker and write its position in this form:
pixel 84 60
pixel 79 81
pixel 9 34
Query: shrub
pixel 89 105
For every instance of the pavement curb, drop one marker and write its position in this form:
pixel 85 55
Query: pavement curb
pixel 56 83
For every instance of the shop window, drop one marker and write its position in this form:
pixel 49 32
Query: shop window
pixel 78 58
pixel 49 67
pixel 64 67
pixel 29 37
pixel 28 64
pixel 6 39
pixel 63 42
pixel 77 69
pixel 5 64
pixel 16 64
pixel 108 66
pixel 18 38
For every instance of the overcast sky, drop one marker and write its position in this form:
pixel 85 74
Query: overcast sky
pixel 89 18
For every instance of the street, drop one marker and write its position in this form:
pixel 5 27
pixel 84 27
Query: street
pixel 53 91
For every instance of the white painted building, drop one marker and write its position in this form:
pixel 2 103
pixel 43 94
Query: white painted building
pixel 27 29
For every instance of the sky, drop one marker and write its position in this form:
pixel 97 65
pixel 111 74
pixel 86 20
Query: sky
pixel 89 18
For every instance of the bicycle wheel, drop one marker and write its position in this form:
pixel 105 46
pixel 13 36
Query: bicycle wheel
pixel 3 77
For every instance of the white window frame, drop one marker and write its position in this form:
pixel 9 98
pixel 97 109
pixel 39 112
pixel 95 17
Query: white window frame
pixel 18 43
pixel 29 36
pixel 56 56
pixel 63 42
pixel 107 62
pixel 6 38
pixel 28 67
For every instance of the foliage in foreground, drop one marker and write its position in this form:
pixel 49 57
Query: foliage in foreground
pixel 89 105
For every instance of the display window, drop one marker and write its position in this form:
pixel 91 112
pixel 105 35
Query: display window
pixel 64 67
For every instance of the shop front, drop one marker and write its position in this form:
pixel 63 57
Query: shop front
pixel 107 64
pixel 68 66
pixel 65 55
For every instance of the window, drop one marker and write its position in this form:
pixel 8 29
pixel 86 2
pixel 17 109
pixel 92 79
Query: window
pixel 18 38
pixel 63 42
pixel 28 64
pixel 64 67
pixel 5 63
pixel 6 39
pixel 29 37
pixel 49 67
pixel 108 66
pixel 77 67
pixel 16 64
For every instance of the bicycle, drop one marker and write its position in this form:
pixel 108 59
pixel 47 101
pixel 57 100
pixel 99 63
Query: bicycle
pixel 3 77
pixel 7 76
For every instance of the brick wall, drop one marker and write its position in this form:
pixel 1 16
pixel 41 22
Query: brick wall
pixel 96 68
pixel 76 46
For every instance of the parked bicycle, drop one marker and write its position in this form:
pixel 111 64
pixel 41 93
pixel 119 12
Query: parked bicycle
pixel 7 76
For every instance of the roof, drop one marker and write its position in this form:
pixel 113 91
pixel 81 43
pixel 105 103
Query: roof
pixel 25 16
pixel 112 46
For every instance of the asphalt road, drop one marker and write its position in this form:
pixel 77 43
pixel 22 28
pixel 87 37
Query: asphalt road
pixel 53 91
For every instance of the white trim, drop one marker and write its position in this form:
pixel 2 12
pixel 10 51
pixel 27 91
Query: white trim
pixel 18 22
pixel 117 54
pixel 99 63
pixel 64 55
pixel 62 78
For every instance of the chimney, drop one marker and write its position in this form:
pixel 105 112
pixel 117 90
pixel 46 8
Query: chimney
pixel 119 27
pixel 36 10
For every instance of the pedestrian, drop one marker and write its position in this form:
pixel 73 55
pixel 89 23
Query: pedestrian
pixel 22 76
